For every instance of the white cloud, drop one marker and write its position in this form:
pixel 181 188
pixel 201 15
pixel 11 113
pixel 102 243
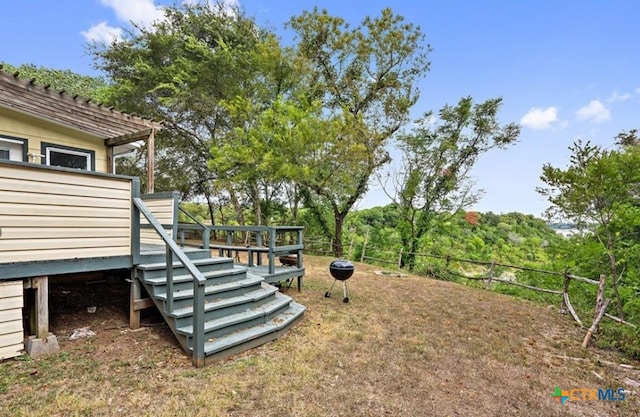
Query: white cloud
pixel 539 119
pixel 140 12
pixel 638 90
pixel 102 33
pixel 594 111
pixel 143 12
pixel 615 96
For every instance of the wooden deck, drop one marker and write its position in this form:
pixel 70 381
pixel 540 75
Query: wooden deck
pixel 281 273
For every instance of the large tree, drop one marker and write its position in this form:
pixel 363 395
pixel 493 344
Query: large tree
pixel 182 71
pixel 360 82
pixel 248 154
pixel 599 191
pixel 438 155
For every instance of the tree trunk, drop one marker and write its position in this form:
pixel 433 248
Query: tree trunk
pixel 237 207
pixel 337 238
pixel 255 196
pixel 211 213
pixel 409 254
pixel 294 200
pixel 614 276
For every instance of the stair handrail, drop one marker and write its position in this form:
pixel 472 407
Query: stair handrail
pixel 205 229
pixel 199 281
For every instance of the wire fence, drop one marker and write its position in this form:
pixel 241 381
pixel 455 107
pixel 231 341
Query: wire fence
pixel 489 272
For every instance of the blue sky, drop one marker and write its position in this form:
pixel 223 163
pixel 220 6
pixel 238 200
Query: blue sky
pixel 566 70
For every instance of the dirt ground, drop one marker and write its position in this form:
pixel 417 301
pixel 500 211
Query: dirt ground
pixel 402 346
pixel 102 307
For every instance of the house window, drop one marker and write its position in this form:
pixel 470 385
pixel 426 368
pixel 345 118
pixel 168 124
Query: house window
pixel 64 156
pixel 13 149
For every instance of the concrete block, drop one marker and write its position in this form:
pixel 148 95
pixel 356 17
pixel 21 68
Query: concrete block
pixel 40 347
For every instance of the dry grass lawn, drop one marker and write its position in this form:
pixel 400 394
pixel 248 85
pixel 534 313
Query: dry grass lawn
pixel 402 346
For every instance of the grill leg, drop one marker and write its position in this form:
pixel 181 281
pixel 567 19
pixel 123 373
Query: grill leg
pixel 344 292
pixel 328 293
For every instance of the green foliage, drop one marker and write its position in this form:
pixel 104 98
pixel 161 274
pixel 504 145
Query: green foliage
pixel 512 239
pixel 599 191
pixel 622 338
pixel 490 238
pixel 72 84
pixel 437 158
pixel 359 84
pixel 183 72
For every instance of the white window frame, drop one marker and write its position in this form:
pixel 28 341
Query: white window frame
pixel 87 155
pixel 15 148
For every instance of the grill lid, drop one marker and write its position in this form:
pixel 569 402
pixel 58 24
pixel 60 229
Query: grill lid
pixel 341 264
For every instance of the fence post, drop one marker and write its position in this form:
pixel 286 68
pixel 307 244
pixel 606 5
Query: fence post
pixel 364 246
pixel 565 298
pixel 487 284
pixel 596 322
pixel 350 252
pixel 601 306
pixel 600 296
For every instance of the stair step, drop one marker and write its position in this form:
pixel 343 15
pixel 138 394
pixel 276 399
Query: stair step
pixel 212 287
pixel 241 338
pixel 219 304
pixel 273 306
pixel 162 280
pixel 158 255
pixel 177 264
pixel 241 310
pixel 158 269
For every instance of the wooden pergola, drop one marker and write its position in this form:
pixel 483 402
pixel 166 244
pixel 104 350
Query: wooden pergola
pixel 113 127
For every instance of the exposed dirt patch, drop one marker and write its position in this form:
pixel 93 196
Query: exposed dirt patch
pixel 406 346
pixel 102 307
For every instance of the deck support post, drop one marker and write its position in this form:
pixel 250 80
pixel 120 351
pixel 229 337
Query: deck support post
pixel 135 294
pixel 41 287
pixel 137 303
pixel 43 342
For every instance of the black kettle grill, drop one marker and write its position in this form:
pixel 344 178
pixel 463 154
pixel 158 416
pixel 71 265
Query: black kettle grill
pixel 341 270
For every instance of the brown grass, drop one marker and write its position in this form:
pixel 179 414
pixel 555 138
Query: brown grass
pixel 406 346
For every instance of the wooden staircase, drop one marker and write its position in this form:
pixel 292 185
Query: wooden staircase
pixel 241 311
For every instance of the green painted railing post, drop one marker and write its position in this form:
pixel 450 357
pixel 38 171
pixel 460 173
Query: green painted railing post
pixel 135 222
pixel 199 281
pixel 206 238
pixel 272 254
pixel 301 243
pixel 176 209
pixel 198 323
pixel 168 307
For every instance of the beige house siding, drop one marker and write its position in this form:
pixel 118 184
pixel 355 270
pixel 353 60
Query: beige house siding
pixel 49 215
pixel 36 131
pixel 11 331
pixel 162 210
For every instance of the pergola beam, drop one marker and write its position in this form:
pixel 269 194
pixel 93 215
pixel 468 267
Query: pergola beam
pixel 129 137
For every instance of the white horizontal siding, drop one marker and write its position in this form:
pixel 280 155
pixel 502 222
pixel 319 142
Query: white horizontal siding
pixel 162 210
pixel 11 330
pixel 50 215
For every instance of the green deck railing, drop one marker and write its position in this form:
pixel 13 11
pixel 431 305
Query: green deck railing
pixel 173 250
pixel 257 240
